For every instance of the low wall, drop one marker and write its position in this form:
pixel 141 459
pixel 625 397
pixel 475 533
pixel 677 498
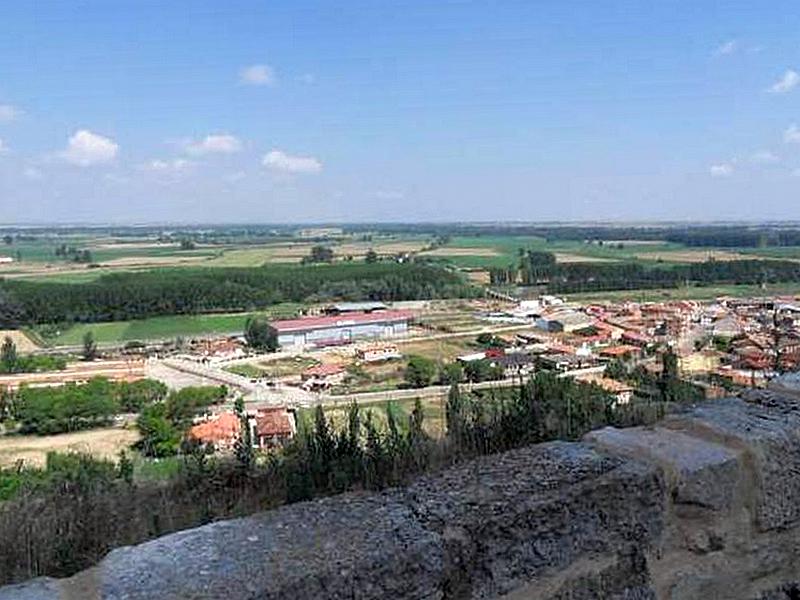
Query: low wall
pixel 705 505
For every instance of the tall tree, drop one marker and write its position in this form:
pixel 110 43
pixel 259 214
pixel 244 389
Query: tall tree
pixel 260 335
pixel 8 356
pixel 89 346
pixel 244 443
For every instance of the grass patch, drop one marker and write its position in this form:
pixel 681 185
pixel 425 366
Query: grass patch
pixel 157 328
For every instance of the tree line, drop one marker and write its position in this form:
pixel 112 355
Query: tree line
pixel 589 277
pixel 77 406
pixel 136 295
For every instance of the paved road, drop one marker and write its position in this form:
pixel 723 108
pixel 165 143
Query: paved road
pixel 434 391
pixel 178 373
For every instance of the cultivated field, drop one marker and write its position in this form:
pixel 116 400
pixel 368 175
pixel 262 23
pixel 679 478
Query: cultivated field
pixel 566 258
pixel 692 256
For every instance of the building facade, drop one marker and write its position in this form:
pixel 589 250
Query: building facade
pixel 341 329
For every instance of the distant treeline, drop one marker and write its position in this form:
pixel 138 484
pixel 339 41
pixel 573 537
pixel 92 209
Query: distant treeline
pixel 588 277
pixel 727 236
pixel 189 291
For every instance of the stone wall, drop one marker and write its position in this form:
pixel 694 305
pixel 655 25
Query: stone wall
pixel 705 505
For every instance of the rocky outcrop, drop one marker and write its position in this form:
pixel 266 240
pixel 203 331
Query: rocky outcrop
pixel 704 505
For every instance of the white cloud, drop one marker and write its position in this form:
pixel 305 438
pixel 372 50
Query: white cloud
pixel 721 170
pixel 728 47
pixel 278 160
pixel 214 144
pixel 8 113
pixel 792 134
pixel 177 165
pixel 257 75
pixel 786 83
pixel 307 78
pixel 86 148
pixel 764 157
pixel 3 147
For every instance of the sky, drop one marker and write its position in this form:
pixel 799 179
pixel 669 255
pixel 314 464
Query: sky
pixel 200 111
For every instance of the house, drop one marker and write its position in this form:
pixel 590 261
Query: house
pixel 333 330
pixel 727 327
pixel 515 364
pixel 620 352
pixel 320 377
pixel 564 322
pixel 621 391
pixel 467 358
pixel 6 260
pixel 560 362
pixel 636 338
pixel 378 352
pixel 273 427
pixel 220 349
pixel 220 431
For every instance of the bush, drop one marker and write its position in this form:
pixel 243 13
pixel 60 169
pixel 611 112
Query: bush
pixel 420 371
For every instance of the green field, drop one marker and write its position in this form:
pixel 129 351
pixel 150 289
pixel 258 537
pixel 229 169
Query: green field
pixel 689 293
pixel 507 249
pixel 158 328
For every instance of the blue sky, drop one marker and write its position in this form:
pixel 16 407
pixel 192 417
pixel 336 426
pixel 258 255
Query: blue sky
pixel 198 111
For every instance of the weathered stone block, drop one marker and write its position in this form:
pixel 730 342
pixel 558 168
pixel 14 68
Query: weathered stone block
pixel 351 546
pixel 526 514
pixel 699 472
pixel 769 438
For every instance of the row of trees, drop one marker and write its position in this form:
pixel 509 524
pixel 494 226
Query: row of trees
pixel 72 407
pixel 586 277
pixel 134 295
pixel 422 371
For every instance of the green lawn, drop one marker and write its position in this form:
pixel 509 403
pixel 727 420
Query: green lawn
pixel 165 327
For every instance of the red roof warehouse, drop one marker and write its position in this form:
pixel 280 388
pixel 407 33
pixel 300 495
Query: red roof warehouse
pixel 341 329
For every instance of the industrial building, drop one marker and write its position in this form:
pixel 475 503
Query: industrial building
pixel 341 329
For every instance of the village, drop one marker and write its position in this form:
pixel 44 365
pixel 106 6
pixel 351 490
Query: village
pixel 372 353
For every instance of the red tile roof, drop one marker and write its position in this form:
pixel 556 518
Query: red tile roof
pixel 223 427
pixel 359 318
pixel 274 421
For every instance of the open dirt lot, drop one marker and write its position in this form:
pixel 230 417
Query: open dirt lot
pixel 33 449
pixel 22 341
